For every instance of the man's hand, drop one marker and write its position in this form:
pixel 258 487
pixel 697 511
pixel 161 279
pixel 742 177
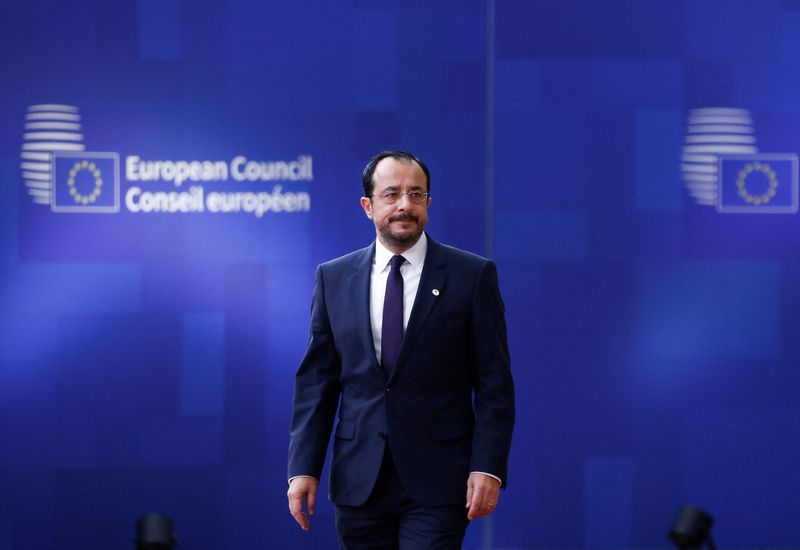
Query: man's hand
pixel 483 493
pixel 303 488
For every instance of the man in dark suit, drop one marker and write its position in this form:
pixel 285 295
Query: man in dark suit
pixel 408 341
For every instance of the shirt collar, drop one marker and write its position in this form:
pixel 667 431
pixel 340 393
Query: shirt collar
pixel 414 255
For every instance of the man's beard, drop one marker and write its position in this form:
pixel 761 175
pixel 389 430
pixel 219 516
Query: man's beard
pixel 405 240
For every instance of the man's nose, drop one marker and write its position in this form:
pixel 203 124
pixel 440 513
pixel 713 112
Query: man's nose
pixel 403 200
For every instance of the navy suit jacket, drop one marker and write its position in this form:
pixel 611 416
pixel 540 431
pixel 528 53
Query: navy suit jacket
pixel 446 410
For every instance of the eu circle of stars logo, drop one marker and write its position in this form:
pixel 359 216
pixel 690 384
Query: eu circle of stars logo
pixel 771 184
pixel 85 181
pixel 95 185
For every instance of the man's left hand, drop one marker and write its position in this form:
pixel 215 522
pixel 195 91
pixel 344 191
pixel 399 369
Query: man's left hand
pixel 483 492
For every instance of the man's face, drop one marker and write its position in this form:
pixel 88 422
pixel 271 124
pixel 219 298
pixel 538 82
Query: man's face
pixel 398 225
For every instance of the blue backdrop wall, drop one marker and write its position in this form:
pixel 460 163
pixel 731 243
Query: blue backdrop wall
pixel 171 173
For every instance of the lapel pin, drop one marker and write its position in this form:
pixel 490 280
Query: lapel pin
pixel 435 291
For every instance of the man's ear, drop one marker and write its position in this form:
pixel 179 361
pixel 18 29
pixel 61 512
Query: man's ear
pixel 366 204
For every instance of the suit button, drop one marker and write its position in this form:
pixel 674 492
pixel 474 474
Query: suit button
pixel 388 390
pixel 382 435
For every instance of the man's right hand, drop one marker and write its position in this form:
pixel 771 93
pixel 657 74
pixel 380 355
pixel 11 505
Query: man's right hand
pixel 302 488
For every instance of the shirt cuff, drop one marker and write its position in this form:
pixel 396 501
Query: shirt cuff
pixel 312 477
pixel 484 473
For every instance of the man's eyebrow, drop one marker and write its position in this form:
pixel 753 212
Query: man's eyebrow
pixel 394 188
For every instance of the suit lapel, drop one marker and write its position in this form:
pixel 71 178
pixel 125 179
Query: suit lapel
pixel 431 287
pixel 359 291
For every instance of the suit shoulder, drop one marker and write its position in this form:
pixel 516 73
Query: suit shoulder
pixel 348 261
pixel 463 257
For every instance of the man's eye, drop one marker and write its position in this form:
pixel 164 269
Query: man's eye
pixel 415 195
pixel 390 195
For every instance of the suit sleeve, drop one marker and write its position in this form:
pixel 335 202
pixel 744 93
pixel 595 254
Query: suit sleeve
pixel 316 392
pixel 493 386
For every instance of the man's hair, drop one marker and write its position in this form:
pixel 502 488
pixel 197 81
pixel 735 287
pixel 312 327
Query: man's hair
pixel 369 171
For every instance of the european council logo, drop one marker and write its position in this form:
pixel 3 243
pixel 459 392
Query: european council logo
pixel 85 182
pixel 56 168
pixel 761 183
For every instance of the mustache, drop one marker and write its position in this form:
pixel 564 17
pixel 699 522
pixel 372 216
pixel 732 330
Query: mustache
pixel 406 217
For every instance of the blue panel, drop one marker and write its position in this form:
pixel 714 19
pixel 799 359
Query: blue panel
pixel 646 84
pixel 608 503
pixel 540 160
pixel 516 85
pixel 178 285
pixel 741 465
pixel 545 235
pixel 709 82
pixel 373 131
pixel 65 288
pixel 244 490
pixel 286 336
pixel 27 350
pixel 705 311
pixel 29 435
pixel 203 61
pixel 5 537
pixel 610 189
pixel 419 63
pixel 275 237
pixel 767 85
pixel 118 439
pixel 77 443
pixel 27 507
pixel 100 370
pixel 78 27
pixel 658 145
pixel 245 425
pixel 182 443
pixel 777 130
pixel 459 190
pixel 286 57
pixel 661 235
pixel 624 28
pixel 203 364
pixel 566 84
pixel 790 36
pixel 374 60
pixel 10 178
pixel 159 29
pixel 28 390
pixel 466 34
pixel 465 87
pixel 460 183
pixel 715 29
pixel 280 276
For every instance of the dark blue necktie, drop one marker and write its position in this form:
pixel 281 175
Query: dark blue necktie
pixel 392 331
